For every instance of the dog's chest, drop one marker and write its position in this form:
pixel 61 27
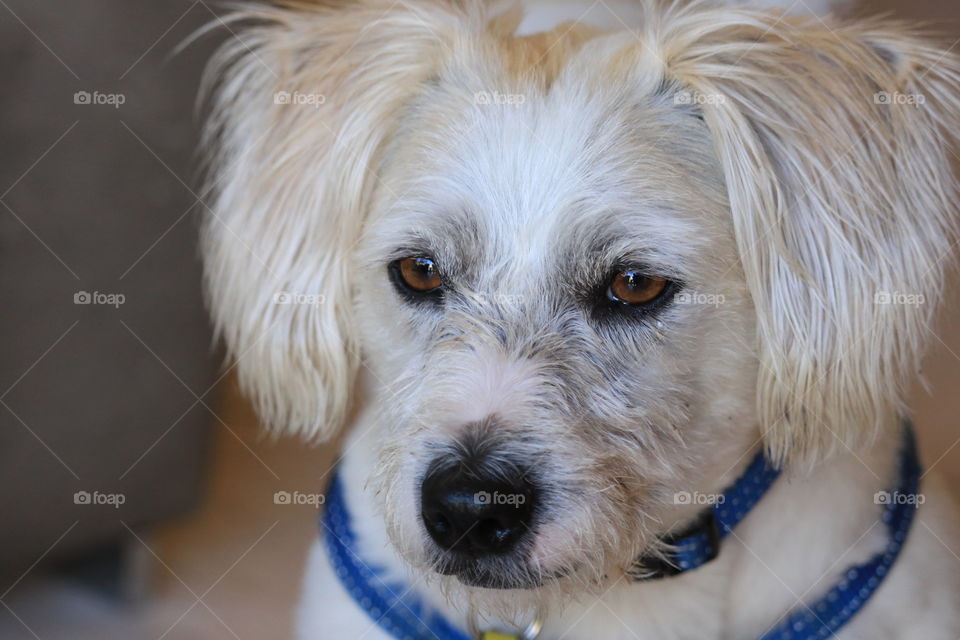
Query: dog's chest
pixel 674 608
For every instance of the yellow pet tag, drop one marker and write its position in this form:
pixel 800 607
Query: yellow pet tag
pixel 496 635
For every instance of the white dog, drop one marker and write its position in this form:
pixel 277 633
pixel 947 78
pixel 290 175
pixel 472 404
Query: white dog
pixel 579 287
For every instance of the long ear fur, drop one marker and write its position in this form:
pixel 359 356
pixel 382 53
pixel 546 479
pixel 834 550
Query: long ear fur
pixel 834 142
pixel 303 102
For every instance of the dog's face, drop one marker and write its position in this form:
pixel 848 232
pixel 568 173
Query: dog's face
pixel 554 317
pixel 584 273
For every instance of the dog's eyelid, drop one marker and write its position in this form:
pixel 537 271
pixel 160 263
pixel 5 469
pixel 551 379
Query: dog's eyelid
pixel 647 267
pixel 410 251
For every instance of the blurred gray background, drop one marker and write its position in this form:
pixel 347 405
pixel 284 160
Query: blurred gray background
pixel 97 207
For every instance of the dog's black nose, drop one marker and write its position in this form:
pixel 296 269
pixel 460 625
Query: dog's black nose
pixel 474 514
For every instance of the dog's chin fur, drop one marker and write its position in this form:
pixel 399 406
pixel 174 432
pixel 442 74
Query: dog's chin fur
pixel 788 177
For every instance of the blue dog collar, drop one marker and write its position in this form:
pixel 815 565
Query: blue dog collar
pixel 700 544
pixel 394 607
pixel 821 619
pixel 391 604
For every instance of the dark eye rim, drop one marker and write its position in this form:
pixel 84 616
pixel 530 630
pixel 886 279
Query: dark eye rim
pixel 606 306
pixel 416 296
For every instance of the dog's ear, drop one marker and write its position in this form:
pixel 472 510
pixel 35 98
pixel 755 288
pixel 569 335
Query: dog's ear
pixel 834 141
pixel 304 98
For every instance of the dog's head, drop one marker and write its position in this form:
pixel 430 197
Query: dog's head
pixel 581 273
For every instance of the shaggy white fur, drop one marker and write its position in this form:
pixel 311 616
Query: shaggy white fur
pixel 787 176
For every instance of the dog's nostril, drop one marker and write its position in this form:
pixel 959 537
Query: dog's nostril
pixel 492 532
pixel 437 524
pixel 441 524
pixel 474 515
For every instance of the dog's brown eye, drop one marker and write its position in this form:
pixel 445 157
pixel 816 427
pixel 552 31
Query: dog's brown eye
pixel 633 287
pixel 419 273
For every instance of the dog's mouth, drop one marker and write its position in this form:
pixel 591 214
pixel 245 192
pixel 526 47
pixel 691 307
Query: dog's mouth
pixel 496 574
